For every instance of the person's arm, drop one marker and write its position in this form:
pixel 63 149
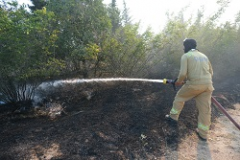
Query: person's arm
pixel 210 68
pixel 183 71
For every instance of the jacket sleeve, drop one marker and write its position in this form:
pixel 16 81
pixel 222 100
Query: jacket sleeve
pixel 183 69
pixel 210 68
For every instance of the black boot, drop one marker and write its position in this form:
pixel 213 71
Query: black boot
pixel 170 121
pixel 199 136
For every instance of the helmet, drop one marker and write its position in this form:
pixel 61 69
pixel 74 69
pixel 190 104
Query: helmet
pixel 189 44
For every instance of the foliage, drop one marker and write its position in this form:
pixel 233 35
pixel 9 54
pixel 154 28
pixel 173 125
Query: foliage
pixel 81 23
pixel 218 41
pixel 85 38
pixel 126 52
pixel 38 4
pixel 27 51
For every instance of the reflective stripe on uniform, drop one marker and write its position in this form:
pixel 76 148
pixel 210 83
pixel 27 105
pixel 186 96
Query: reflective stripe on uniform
pixel 173 111
pixel 203 127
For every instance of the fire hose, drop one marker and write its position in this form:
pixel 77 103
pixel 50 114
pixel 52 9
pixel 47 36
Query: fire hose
pixel 215 102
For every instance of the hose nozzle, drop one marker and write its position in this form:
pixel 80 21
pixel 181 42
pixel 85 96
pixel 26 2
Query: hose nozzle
pixel 170 81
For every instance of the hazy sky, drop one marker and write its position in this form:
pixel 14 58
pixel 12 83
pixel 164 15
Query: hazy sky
pixel 152 12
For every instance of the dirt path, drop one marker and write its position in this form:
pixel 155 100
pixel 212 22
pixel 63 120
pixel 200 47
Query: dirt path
pixel 223 142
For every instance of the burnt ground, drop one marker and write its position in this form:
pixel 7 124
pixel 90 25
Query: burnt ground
pixel 100 121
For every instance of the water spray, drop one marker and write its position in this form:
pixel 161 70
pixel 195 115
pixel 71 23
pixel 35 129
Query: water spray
pixel 164 81
pixel 113 80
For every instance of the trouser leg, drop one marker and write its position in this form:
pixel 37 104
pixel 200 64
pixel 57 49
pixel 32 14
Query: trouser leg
pixel 203 103
pixel 183 95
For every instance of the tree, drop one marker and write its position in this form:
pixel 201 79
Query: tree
pixel 38 4
pixel 26 55
pixel 81 23
pixel 115 16
pixel 126 16
pixel 126 52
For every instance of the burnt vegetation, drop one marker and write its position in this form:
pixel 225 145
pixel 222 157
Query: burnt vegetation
pixel 122 120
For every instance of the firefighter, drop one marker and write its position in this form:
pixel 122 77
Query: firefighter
pixel 196 77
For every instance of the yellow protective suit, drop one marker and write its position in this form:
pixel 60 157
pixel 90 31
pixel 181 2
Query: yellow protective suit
pixel 197 70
